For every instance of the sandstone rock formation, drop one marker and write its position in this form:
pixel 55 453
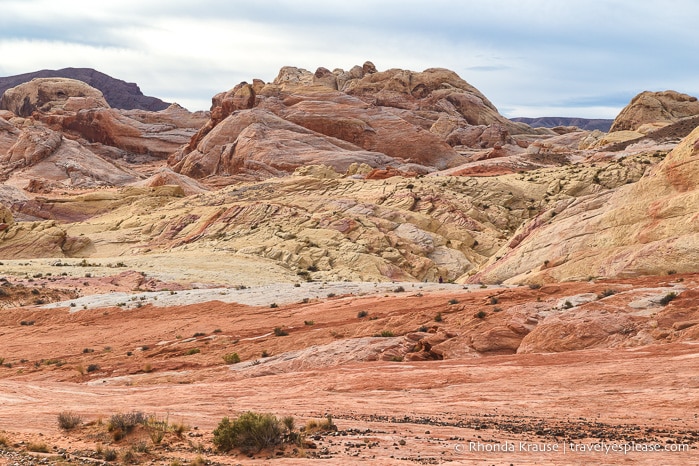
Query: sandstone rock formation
pixel 78 141
pixel 118 93
pixel 46 94
pixel 645 228
pixel 397 118
pixel 655 109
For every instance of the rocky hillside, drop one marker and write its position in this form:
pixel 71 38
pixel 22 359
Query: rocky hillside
pixel 342 175
pixel 399 119
pixel 644 228
pixel 118 93
pixel 587 124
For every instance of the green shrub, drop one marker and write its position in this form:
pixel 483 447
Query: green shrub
pixel 231 358
pixel 250 432
pixel 280 332
pixel 665 300
pixel 386 333
pixel 192 351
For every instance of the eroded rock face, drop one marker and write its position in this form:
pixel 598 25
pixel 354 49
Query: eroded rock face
pixel 118 93
pixel 649 227
pixel 399 116
pixel 45 94
pixel 655 108
pixel 6 217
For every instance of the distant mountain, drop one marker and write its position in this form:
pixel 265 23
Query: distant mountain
pixel 582 123
pixel 118 93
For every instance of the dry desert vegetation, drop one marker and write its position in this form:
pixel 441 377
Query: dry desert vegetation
pixel 345 267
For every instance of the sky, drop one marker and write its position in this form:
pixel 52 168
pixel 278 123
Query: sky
pixel 531 58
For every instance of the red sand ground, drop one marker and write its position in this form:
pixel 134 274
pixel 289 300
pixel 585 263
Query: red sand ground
pixel 468 410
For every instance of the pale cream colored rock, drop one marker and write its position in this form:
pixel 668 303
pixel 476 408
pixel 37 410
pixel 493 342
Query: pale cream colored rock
pixel 648 227
pixel 655 108
pixel 45 94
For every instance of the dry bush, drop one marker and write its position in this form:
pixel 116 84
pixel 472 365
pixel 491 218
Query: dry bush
pixel 250 432
pixel 68 420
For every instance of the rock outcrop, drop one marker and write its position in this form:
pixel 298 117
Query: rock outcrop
pixel 46 94
pixel 118 93
pixel 69 136
pixel 394 119
pixel 645 228
pixel 652 110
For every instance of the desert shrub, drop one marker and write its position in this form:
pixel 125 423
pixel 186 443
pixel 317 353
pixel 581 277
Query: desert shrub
pixel 331 295
pixel 128 456
pixel 567 305
pixel 494 300
pixel 37 447
pixel 480 315
pixel 250 432
pixel 605 293
pixel 280 332
pixel 68 420
pixel 109 454
pixel 362 314
pixel 93 368
pixel 179 428
pixel 157 428
pixel 386 333
pixel 192 351
pixel 308 322
pixel 125 422
pixel 453 301
pixel 534 286
pixel 289 423
pixel 199 334
pixel 274 305
pixel 438 317
pixel 231 358
pixel 665 300
pixel 326 425
pixel 399 289
pixel 423 328
pixel 27 322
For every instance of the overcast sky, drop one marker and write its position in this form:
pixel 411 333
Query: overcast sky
pixel 529 57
